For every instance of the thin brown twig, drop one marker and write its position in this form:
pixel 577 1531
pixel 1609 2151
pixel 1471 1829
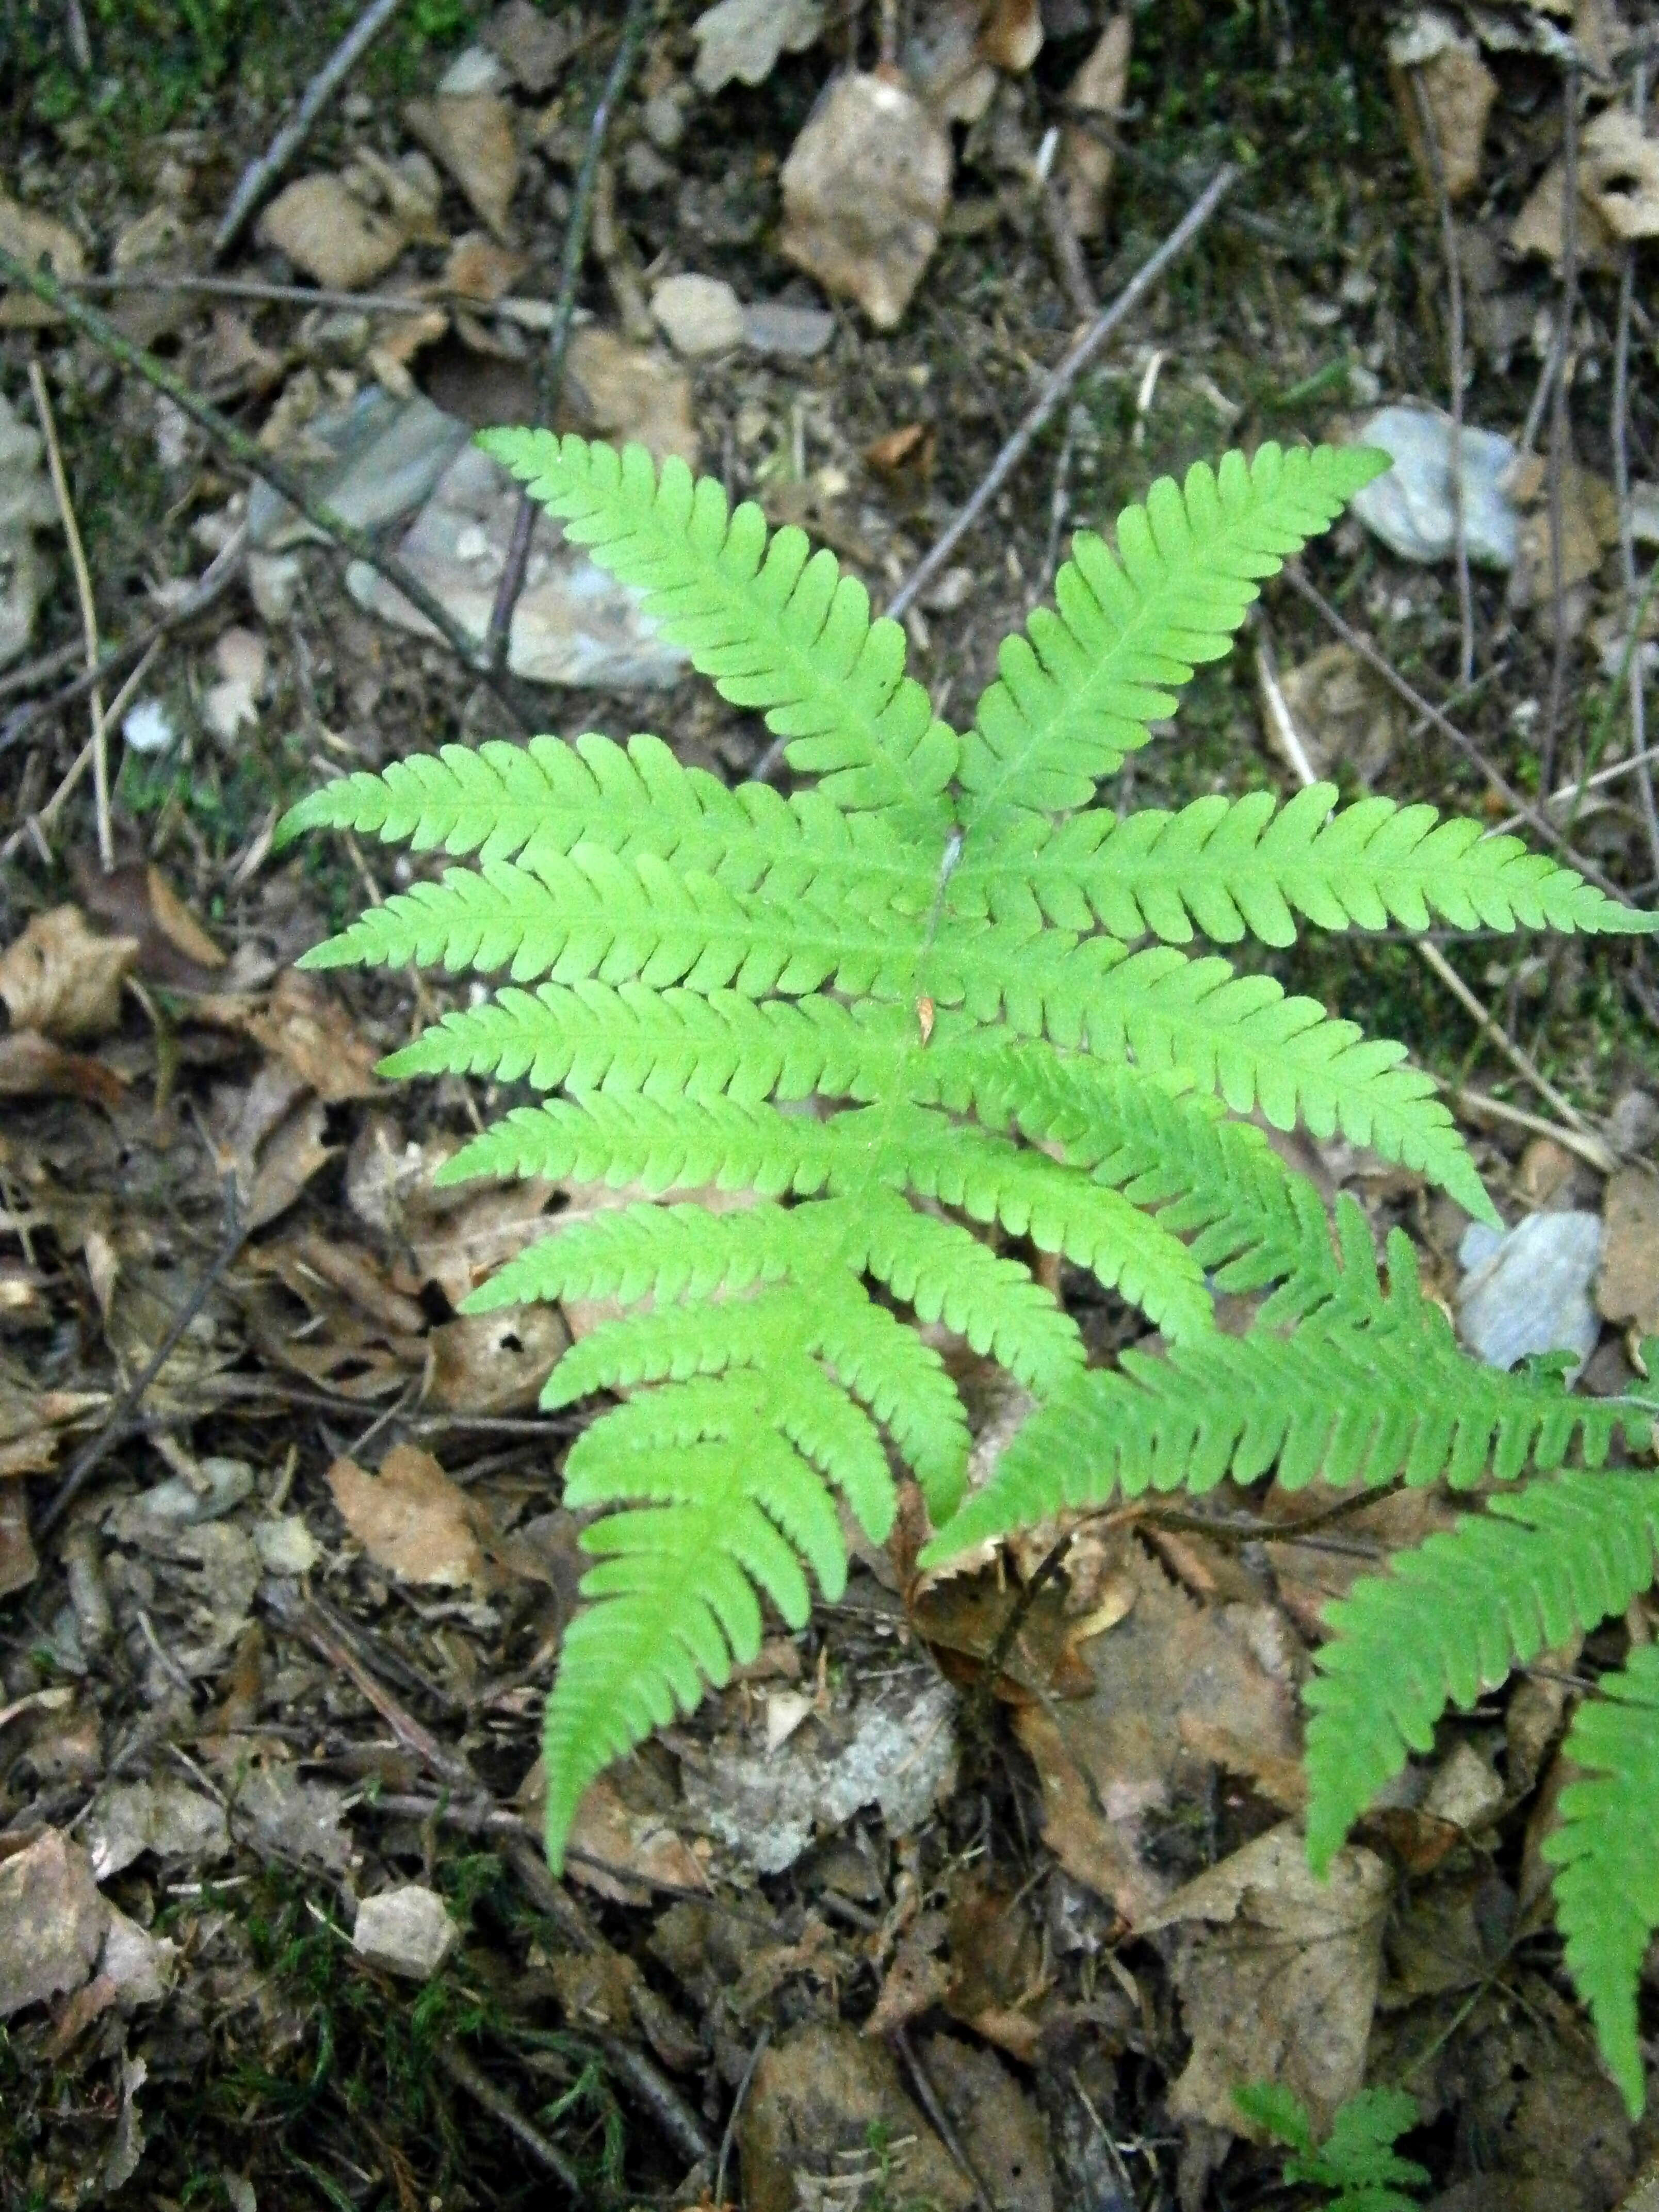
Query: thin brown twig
pixel 1621 489
pixel 736 2113
pixel 1561 430
pixel 253 457
pixel 45 817
pixel 1521 808
pixel 501 2108
pixel 88 609
pixel 258 177
pixel 1077 358
pixel 114 1424
pixel 1455 368
pixel 550 379
pixel 1018 1613
pixel 939 2120
pixel 534 314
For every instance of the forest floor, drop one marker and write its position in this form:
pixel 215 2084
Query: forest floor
pixel 275 1627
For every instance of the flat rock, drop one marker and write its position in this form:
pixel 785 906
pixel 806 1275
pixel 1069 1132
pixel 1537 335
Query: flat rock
pixel 388 455
pixel 1410 509
pixel 572 625
pixel 1529 1291
pixel 406 1931
pixel 179 1825
pixel 52 1922
pixel 471 135
pixel 773 327
pixel 535 47
pixel 865 191
pixel 700 315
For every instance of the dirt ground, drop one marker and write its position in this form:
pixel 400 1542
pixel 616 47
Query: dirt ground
pixel 876 1928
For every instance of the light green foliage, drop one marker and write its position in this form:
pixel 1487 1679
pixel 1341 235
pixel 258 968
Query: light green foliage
pixel 854 1053
pixel 1357 2160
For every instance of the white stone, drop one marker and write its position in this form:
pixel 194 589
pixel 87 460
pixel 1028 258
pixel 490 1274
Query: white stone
pixel 273 583
pixel 1529 1291
pixel 794 333
pixel 701 315
pixel 285 1545
pixel 1410 509
pixel 406 1931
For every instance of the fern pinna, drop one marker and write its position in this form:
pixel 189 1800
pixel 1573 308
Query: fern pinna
pixel 930 1014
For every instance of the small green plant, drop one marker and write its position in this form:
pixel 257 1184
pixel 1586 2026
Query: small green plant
pixel 1357 2160
pixel 941 970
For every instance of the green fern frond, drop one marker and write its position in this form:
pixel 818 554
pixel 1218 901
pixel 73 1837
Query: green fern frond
pixel 1357 2158
pixel 1353 1395
pixel 774 624
pixel 1233 867
pixel 1452 1619
pixel 1083 685
pixel 658 1252
pixel 1606 1852
pixel 1242 1037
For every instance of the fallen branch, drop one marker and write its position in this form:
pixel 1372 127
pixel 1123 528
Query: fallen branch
pixel 253 458
pixel 501 2108
pixel 88 607
pixel 532 314
pixel 259 176
pixel 549 379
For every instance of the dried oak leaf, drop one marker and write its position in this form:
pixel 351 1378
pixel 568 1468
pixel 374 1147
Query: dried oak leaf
pixel 1100 88
pixel 311 1034
pixel 743 39
pixel 63 979
pixel 31 1066
pixel 31 237
pixel 410 1519
pixel 51 1921
pixel 326 231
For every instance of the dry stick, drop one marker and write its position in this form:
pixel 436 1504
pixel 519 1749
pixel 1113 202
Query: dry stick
pixel 736 2114
pixel 1560 429
pixel 88 610
pixel 116 1423
pixel 237 443
pixel 1621 487
pixel 37 823
pixel 549 380
pixel 213 581
pixel 499 2106
pixel 1282 725
pixel 1521 808
pixel 1454 364
pixel 511 308
pixel 260 175
pixel 1480 1105
pixel 1570 794
pixel 1061 382
pixel 929 2099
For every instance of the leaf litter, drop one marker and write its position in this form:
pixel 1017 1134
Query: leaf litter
pixel 281 1660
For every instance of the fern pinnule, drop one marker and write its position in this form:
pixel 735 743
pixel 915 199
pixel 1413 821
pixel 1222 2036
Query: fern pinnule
pixel 1453 1618
pixel 1606 1854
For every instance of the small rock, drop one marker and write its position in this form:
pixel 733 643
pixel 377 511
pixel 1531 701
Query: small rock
pixel 388 454
pixel 1634 1122
pixel 475 69
pixel 1465 1791
pixel 865 191
pixel 273 583
pixel 743 39
pixel 406 1931
pixel 327 232
pixel 792 333
pixel 51 1921
pixel 663 119
pixel 179 1503
pixel 1529 1291
pixel 471 135
pixel 644 169
pixel 1410 509
pixel 285 1545
pixel 534 46
pixel 147 728
pixel 1629 1288
pixel 701 315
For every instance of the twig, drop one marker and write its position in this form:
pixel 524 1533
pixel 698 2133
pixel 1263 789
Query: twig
pixel 114 1425
pixel 1522 809
pixel 658 2096
pixel 236 442
pixel 1621 487
pixel 1569 793
pixel 534 314
pixel 499 2106
pixel 1455 366
pixel 1076 360
pixel 259 176
pixel 88 609
pixel 36 672
pixel 1561 428
pixel 46 817
pixel 1588 1147
pixel 549 379
pixel 939 2120
pixel 74 28
pixel 736 2113
pixel 1019 1611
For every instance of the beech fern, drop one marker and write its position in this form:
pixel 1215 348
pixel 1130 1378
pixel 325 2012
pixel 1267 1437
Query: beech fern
pixel 933 1013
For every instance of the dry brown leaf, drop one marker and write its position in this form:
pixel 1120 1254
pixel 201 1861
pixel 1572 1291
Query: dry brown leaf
pixel 31 1066
pixel 996 1966
pixel 1618 194
pixel 1590 528
pixel 621 1853
pixel 743 39
pixel 311 1032
pixel 285 1163
pixel 1459 90
pixel 1100 88
pixel 627 393
pixel 410 1519
pixel 496 1363
pixel 18 1564
pixel 478 268
pixel 51 1921
pixel 471 135
pixel 1002 2134
pixel 1011 34
pixel 326 231
pixel 1347 717
pixel 29 237
pixel 63 979
pixel 139 901
pixel 865 191
pixel 1628 1290
pixel 1277 1972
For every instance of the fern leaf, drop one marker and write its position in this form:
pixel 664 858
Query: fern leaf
pixel 594 913
pixel 662 1252
pixel 775 625
pixel 1354 1396
pixel 1606 1855
pixel 1232 868
pixel 1452 1619
pixel 1082 687
pixel 1240 1036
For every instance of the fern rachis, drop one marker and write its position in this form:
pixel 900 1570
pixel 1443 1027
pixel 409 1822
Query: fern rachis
pixel 910 1009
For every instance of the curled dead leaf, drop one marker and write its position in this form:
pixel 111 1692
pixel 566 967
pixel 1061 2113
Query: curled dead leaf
pixel 410 1518
pixel 1099 89
pixel 63 979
